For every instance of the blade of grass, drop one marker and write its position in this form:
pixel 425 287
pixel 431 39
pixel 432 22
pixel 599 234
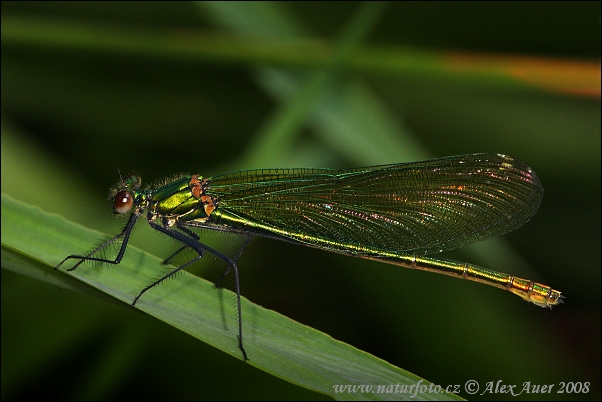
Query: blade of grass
pixel 34 241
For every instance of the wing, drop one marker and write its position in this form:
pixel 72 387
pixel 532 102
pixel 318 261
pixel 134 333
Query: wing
pixel 423 208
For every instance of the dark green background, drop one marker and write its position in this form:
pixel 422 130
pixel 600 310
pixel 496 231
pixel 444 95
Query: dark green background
pixel 72 115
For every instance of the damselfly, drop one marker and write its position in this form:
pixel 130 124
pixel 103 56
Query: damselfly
pixel 391 213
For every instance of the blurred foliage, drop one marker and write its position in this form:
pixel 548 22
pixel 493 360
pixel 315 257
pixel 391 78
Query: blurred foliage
pixel 166 88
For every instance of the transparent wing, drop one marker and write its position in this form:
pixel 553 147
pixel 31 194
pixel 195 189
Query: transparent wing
pixel 423 208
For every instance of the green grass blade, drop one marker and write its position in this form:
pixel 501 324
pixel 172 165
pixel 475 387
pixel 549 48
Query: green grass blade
pixel 33 242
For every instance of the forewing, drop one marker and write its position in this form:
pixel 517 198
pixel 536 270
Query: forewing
pixel 423 208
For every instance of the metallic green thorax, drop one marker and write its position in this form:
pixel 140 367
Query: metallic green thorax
pixel 177 200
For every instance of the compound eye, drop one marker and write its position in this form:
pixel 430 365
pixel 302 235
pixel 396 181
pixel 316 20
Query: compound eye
pixel 123 202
